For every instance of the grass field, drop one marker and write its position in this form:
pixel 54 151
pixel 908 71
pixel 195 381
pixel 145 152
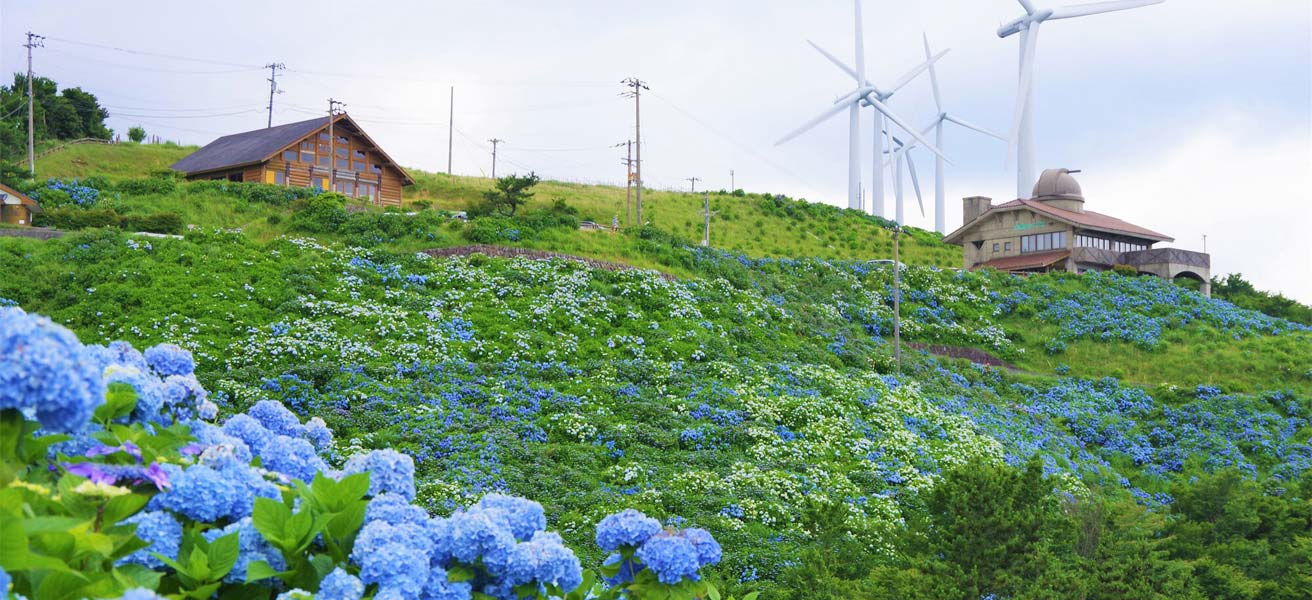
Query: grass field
pixel 753 224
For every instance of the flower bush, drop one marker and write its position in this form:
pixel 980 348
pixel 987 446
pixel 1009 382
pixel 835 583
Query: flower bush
pixel 132 503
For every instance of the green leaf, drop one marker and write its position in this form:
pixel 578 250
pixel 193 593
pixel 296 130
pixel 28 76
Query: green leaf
pixel 58 585
pixel 257 570
pixel 751 596
pixel 712 592
pixel 120 399
pixel 344 524
pixel 459 573
pixel 223 555
pixel 135 576
pixel 353 487
pixel 122 507
pixel 270 517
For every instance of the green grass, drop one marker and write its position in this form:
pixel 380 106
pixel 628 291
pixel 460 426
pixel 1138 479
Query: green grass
pixel 754 224
pixel 110 160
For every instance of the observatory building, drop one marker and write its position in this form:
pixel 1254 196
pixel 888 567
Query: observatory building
pixel 1053 232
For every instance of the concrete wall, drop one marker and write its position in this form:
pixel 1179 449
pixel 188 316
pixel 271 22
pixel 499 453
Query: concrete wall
pixel 1003 227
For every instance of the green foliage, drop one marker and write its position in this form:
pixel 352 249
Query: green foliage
pixel 1235 289
pixel 510 192
pixel 323 213
pixel 137 133
pixel 58 115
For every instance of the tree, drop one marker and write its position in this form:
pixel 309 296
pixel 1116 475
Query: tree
pixel 511 192
pixel 91 115
pixel 137 134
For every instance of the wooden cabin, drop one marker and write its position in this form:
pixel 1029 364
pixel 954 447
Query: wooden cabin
pixel 16 208
pixel 337 156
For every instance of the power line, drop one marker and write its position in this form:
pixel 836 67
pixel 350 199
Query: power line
pixel 107 63
pixel 209 116
pixel 155 54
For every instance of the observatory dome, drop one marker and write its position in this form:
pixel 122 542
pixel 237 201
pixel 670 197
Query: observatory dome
pixel 1056 187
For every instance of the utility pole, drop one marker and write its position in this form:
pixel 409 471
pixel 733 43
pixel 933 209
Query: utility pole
pixel 636 86
pixel 495 141
pixel 273 87
pixel 1204 243
pixel 706 216
pixel 332 144
pixel 33 41
pixel 693 181
pixel 732 185
pixel 627 161
pixel 897 298
pixel 450 127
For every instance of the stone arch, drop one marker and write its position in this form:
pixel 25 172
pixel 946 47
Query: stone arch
pixel 1203 284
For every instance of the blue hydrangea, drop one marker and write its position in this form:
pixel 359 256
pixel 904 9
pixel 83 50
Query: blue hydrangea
pixel 251 548
pixel 470 535
pixel 149 389
pixel 708 550
pixel 394 510
pixel 208 435
pixel 525 516
pixel 626 528
pixel 627 571
pixel 552 562
pixel 118 353
pixel 317 432
pixel 671 556
pixel 293 457
pixel 439 588
pixel 200 493
pixel 295 594
pixel 389 471
pixel 46 373
pixel 276 418
pixel 340 585
pixel 394 557
pixel 140 594
pixel 161 531
pixel 4 583
pixel 247 429
pixel 170 359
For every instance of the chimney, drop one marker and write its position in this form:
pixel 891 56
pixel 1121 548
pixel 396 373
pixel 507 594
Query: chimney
pixel 974 206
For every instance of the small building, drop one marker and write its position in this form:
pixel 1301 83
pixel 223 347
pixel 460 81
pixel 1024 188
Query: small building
pixel 339 157
pixel 1052 231
pixel 16 208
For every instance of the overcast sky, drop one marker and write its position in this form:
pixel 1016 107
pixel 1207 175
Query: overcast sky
pixel 1191 118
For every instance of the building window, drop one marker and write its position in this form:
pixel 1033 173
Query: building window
pixel 324 136
pixel 307 145
pixel 279 177
pixel 1043 242
pixel 342 152
pixel 323 161
pixel 995 246
pixel 307 157
pixel 357 165
pixel 377 168
pixel 1007 246
pixel 342 163
pixel 289 155
pixel 341 139
pixel 359 154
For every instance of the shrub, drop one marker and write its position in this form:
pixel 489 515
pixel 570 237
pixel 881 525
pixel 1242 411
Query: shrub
pixel 321 214
pixel 161 222
pixel 1125 270
pixel 137 133
pixel 148 185
pixel 76 218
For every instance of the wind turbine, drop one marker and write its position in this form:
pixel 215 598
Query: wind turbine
pixel 901 152
pixel 865 94
pixel 1022 128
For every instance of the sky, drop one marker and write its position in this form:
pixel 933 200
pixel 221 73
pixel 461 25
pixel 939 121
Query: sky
pixel 1193 117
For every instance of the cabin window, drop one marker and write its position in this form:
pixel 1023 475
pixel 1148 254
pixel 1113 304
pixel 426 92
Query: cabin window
pixel 1007 246
pixel 307 157
pixel 357 165
pixel 279 177
pixel 235 177
pixel 323 160
pixel 341 139
pixel 307 145
pixel 377 168
pixel 995 246
pixel 342 152
pixel 289 155
pixel 342 163
pixel 324 136
pixel 359 153
pixel 323 148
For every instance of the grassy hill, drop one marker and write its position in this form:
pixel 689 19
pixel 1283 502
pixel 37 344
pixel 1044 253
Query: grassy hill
pixel 755 394
pixel 754 224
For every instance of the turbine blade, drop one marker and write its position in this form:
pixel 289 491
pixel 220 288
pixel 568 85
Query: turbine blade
pixel 1030 39
pixel 915 181
pixel 911 75
pixel 1027 5
pixel 947 117
pixel 933 76
pixel 883 108
pixel 1095 8
pixel 827 113
pixel 860 46
pixel 834 59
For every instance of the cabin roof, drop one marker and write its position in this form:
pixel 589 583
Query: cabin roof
pixel 254 147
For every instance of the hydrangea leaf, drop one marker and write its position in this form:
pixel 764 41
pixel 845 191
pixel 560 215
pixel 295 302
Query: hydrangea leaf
pixel 258 569
pixel 120 400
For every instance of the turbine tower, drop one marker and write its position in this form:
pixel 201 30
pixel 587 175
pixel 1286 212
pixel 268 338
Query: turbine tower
pixel 865 94
pixel 901 152
pixel 937 127
pixel 1022 128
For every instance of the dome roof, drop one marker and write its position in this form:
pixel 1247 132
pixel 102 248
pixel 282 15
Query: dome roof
pixel 1057 184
